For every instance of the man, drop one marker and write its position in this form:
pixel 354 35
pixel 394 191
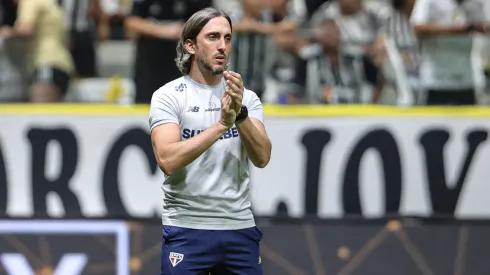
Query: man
pixel 13 75
pixel 157 25
pixel 359 21
pixel 324 74
pixel 42 22
pixel 448 71
pixel 205 127
pixel 81 18
pixel 254 25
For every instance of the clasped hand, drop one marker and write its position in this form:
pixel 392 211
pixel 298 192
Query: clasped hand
pixel 231 102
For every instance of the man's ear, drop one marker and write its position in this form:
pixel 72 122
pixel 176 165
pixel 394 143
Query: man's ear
pixel 190 46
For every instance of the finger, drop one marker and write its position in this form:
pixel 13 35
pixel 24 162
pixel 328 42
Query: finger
pixel 230 75
pixel 226 96
pixel 235 82
pixel 236 97
pixel 234 74
pixel 235 78
pixel 225 101
pixel 228 101
pixel 236 88
pixel 227 75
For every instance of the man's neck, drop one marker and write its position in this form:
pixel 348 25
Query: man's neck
pixel 204 77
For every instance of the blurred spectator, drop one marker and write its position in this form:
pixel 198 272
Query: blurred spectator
pixel 399 33
pixel 116 11
pixel 313 5
pixel 82 16
pixel 252 25
pixel 42 23
pixel 228 6
pixel 291 11
pixel 360 23
pixel 292 15
pixel 157 25
pixel 399 29
pixel 9 11
pixel 449 69
pixel 324 74
pixel 13 73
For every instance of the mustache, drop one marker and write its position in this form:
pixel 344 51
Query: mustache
pixel 220 55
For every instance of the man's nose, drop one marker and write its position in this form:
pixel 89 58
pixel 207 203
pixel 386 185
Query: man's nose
pixel 222 44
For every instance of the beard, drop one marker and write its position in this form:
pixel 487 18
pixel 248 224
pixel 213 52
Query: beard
pixel 203 65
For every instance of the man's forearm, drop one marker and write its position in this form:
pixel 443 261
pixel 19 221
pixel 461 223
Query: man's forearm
pixel 141 26
pixel 256 143
pixel 98 12
pixel 179 154
pixel 428 30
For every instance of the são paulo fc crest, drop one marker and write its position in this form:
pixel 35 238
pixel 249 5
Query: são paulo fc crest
pixel 175 258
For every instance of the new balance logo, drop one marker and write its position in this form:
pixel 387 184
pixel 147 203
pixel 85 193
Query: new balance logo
pixel 175 258
pixel 193 109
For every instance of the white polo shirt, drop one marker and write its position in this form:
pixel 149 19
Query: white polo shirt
pixel 448 62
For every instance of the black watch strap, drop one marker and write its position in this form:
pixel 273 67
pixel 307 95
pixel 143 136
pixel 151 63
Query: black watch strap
pixel 242 115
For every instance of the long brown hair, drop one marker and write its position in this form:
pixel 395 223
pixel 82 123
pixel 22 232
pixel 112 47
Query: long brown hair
pixel 191 30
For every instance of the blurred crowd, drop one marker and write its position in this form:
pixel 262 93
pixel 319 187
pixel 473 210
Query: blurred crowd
pixel 403 52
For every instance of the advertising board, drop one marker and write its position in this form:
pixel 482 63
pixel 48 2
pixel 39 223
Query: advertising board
pixel 330 162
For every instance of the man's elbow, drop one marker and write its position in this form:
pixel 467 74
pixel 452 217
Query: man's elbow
pixel 167 166
pixel 24 30
pixel 263 161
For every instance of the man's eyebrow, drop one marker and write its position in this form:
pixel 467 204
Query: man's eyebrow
pixel 217 33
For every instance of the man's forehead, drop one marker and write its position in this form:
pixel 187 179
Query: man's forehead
pixel 217 24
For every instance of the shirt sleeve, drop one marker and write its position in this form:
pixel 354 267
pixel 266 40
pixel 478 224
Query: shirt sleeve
pixel 379 13
pixel 28 11
pixel 477 12
pixel 486 8
pixel 140 8
pixel 255 108
pixel 164 108
pixel 420 12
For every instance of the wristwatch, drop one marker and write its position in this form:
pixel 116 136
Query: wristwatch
pixel 242 115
